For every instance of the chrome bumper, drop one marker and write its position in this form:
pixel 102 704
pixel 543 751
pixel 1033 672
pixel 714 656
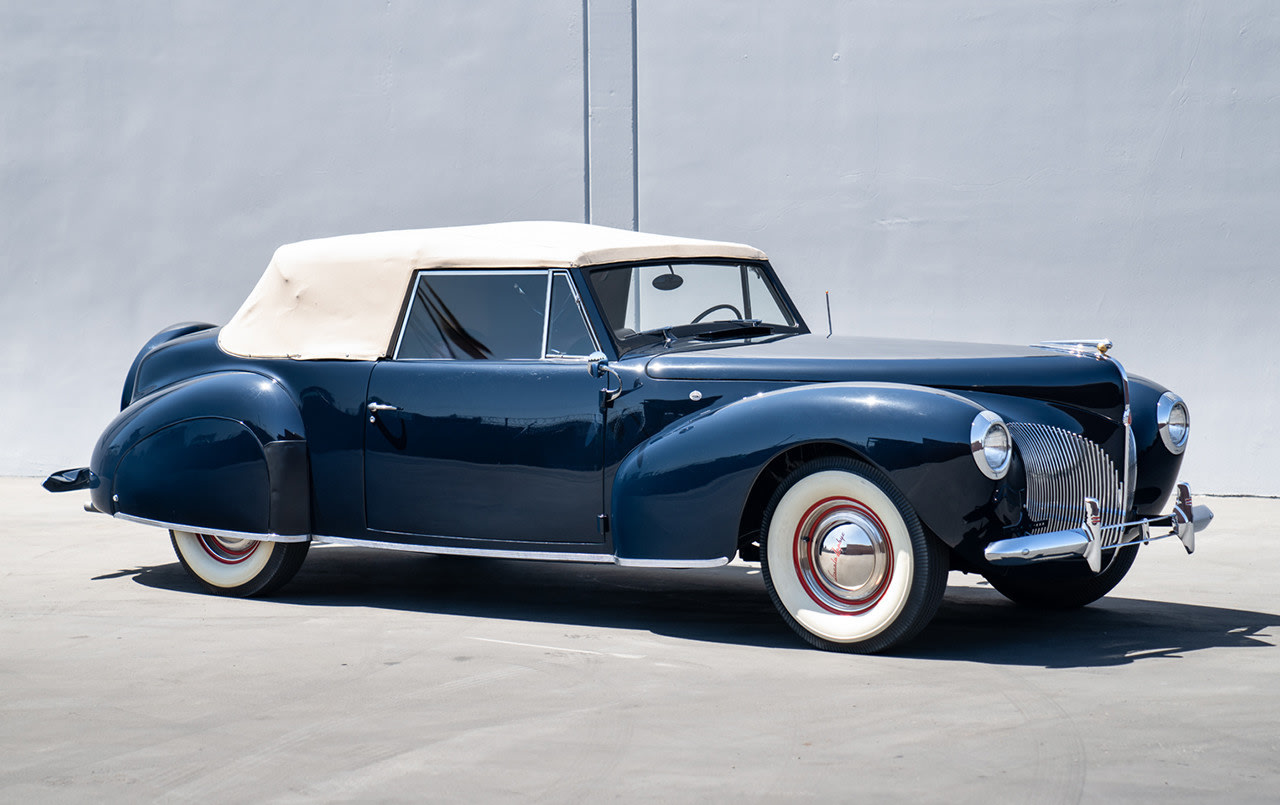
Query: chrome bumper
pixel 1085 542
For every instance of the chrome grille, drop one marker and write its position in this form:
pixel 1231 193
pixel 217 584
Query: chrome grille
pixel 1063 469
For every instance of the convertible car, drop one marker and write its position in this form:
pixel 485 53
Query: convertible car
pixel 569 392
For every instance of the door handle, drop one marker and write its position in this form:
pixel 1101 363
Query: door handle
pixel 376 407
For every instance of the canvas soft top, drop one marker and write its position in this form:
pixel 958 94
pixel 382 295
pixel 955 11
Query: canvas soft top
pixel 339 298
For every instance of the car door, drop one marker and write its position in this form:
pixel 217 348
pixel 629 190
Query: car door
pixel 486 425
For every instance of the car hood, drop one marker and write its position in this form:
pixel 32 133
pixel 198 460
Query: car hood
pixel 1079 380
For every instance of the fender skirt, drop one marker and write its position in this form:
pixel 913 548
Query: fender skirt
pixel 221 453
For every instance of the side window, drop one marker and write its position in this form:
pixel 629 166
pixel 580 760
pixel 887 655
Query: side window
pixel 567 332
pixel 475 316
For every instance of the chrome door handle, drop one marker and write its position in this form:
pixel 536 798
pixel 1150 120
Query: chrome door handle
pixel 376 407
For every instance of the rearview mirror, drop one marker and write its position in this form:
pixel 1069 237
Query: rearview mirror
pixel 668 282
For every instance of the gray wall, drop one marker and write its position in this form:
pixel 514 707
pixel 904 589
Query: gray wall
pixel 1000 171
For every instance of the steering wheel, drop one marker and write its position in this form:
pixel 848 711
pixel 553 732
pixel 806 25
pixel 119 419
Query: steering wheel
pixel 713 309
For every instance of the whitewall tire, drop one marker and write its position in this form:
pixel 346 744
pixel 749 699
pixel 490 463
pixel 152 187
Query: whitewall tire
pixel 845 559
pixel 237 567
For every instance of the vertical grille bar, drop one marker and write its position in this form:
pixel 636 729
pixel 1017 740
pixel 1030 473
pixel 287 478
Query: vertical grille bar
pixel 1063 469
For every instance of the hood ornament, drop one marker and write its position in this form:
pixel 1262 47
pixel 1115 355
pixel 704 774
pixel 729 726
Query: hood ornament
pixel 1079 346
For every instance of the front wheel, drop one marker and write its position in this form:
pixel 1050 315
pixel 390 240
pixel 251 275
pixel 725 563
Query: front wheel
pixel 846 560
pixel 238 567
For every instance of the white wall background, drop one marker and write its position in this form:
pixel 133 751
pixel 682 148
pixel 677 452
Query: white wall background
pixel 989 170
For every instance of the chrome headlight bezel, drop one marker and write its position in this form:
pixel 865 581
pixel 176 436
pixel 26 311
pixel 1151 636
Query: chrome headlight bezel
pixel 1166 411
pixel 985 435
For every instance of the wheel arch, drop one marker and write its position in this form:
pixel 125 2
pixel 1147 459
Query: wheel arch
pixel 770 478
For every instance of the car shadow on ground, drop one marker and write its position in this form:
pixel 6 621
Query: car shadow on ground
pixel 976 623
pixel 730 605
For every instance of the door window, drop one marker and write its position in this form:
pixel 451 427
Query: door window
pixel 476 315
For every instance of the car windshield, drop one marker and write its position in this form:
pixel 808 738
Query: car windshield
pixel 670 301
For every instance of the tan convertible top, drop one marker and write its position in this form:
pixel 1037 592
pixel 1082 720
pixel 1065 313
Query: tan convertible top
pixel 340 297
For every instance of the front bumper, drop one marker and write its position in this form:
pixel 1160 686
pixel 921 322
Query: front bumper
pixel 1085 542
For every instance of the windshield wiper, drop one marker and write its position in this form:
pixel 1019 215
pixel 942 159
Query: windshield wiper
pixel 734 328
pixel 711 330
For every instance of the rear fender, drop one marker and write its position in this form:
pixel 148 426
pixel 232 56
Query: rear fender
pixel 163 337
pixel 680 495
pixel 222 452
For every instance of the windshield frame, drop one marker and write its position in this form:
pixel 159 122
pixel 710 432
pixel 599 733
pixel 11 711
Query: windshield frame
pixel 625 344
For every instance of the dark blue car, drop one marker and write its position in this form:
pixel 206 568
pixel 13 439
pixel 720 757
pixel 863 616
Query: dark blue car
pixel 569 392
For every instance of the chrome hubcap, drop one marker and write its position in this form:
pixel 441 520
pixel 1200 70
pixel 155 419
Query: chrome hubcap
pixel 844 556
pixel 228 550
pixel 852 554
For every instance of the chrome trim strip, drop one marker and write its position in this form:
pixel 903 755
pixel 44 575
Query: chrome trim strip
pixel 542 556
pixel 546 313
pixel 582 311
pixel 215 532
pixel 492 553
pixel 1130 446
pixel 408 311
pixel 719 561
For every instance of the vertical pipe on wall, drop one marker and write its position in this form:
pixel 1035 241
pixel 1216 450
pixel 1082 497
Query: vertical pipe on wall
pixel 609 42
pixel 635 127
pixel 586 113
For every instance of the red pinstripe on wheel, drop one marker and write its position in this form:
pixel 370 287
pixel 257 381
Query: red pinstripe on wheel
pixel 804 556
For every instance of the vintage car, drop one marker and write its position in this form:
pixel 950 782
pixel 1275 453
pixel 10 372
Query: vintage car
pixel 569 392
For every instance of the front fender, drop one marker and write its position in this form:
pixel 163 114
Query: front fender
pixel 1157 468
pixel 224 452
pixel 680 495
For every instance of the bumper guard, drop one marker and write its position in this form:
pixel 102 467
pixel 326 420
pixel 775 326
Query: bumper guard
pixel 1086 541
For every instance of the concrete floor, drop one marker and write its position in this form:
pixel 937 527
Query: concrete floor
pixel 378 676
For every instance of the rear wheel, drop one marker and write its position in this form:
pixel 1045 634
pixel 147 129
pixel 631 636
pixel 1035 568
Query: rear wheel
pixel 846 561
pixel 238 567
pixel 1064 586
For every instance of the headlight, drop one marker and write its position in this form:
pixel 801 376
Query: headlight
pixel 1173 421
pixel 991 444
